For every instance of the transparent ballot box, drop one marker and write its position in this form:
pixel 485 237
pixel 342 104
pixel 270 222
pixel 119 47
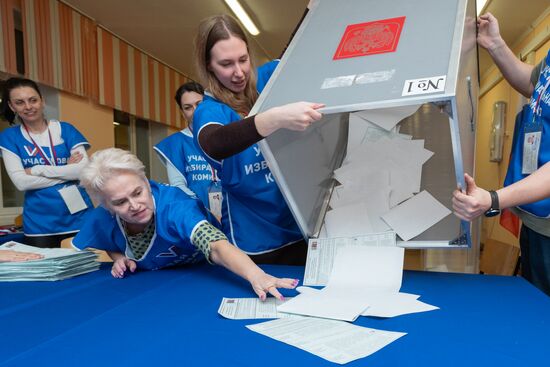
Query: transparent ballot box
pixel 411 61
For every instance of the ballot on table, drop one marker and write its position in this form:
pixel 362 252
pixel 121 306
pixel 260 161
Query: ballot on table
pixel 362 58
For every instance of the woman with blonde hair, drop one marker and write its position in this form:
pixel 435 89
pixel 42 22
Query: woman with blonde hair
pixel 254 213
pixel 146 225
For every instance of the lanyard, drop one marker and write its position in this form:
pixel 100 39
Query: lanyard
pixel 39 149
pixel 537 104
pixel 214 179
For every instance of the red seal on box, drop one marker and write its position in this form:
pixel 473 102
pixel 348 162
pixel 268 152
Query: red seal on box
pixel 377 37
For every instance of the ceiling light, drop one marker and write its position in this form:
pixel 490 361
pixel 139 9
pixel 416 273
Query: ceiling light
pixel 243 17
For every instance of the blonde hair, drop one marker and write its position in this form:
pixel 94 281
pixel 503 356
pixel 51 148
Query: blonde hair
pixel 212 30
pixel 106 164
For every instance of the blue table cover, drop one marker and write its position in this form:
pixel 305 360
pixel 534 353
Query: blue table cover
pixel 169 318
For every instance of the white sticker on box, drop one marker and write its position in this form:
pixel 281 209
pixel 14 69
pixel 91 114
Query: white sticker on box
pixel 432 84
pixel 338 82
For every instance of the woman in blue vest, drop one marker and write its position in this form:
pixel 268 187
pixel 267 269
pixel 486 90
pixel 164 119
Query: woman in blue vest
pixel 148 226
pixel 185 164
pixel 525 184
pixel 254 214
pixel 43 158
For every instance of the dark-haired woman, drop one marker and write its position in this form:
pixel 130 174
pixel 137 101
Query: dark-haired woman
pixel 185 164
pixel 43 158
pixel 254 213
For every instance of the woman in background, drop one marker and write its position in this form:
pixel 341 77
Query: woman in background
pixel 185 165
pixel 43 158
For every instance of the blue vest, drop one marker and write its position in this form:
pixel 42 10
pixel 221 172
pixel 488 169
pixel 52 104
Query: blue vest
pixel 539 208
pixel 180 150
pixel 44 211
pixel 255 216
pixel 176 216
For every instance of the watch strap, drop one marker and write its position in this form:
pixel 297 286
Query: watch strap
pixel 495 205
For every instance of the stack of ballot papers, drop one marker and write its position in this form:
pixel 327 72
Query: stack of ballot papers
pixel 57 264
pixel 380 180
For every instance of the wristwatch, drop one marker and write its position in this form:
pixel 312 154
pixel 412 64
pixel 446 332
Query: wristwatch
pixel 495 208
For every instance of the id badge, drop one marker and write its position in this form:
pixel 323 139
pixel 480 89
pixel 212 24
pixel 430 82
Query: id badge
pixel 215 198
pixel 73 199
pixel 531 146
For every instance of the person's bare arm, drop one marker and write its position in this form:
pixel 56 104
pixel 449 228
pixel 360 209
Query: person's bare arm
pixel 516 72
pixel 69 172
pixel 225 254
pixel 476 201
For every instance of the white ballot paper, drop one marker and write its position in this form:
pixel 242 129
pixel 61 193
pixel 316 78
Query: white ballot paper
pixel 329 303
pixel 368 269
pixel 383 304
pixel 349 220
pixel 360 187
pixel 251 308
pixel 321 253
pixel 362 131
pixel 415 215
pixel 335 341
pixel 387 118
pixel 396 304
pixel 357 272
pixel 401 159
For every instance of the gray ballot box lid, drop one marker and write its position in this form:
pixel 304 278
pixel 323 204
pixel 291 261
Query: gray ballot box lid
pixel 358 55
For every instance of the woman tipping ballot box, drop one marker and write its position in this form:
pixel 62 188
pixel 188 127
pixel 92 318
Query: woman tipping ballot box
pixel 254 213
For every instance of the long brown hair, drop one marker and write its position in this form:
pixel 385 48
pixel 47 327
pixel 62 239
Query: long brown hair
pixel 212 30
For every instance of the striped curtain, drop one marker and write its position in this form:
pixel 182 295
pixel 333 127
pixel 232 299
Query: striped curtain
pixel 8 62
pixel 53 48
pixel 68 51
pixel 134 82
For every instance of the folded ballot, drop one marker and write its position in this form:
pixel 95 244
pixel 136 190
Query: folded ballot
pixel 57 264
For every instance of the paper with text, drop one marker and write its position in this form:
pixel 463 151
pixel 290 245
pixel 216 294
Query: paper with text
pixel 251 308
pixel 321 253
pixel 335 341
pixel 357 272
